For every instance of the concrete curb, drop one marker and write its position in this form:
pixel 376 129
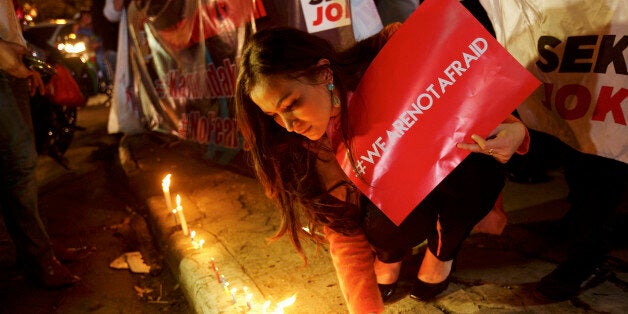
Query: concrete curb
pixel 232 215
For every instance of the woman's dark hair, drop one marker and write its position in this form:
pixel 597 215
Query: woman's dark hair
pixel 285 162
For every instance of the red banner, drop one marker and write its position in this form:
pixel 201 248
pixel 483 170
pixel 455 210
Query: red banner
pixel 439 79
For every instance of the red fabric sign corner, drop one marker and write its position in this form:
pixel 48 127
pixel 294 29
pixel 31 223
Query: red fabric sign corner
pixel 439 79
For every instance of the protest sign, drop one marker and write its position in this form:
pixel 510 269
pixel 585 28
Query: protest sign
pixel 177 71
pixel 439 79
pixel 577 48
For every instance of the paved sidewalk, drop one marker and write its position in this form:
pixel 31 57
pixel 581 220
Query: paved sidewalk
pixel 229 211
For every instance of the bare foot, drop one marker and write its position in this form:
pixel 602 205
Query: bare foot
pixel 433 270
pixel 386 273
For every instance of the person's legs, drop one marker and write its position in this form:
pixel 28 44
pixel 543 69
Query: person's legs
pixel 466 196
pixel 19 189
pixel 596 186
pixel 392 242
pixel 445 218
pixel 18 195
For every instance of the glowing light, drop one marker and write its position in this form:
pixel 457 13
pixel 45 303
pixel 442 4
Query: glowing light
pixel 233 292
pixel 249 297
pixel 72 48
pixel 184 224
pixel 165 186
pixel 285 303
pixel 265 307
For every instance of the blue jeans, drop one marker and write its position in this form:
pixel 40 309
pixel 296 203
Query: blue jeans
pixel 18 160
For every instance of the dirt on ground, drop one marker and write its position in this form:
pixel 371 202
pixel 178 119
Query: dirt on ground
pixel 89 206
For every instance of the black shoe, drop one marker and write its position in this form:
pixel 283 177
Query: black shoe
pixel 569 278
pixel 387 290
pixel 424 291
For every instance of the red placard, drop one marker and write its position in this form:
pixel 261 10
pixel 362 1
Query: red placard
pixel 439 79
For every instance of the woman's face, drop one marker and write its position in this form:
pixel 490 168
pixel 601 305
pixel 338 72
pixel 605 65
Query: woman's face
pixel 297 105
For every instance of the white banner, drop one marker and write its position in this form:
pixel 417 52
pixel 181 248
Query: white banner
pixel 577 48
pixel 122 117
pixel 321 15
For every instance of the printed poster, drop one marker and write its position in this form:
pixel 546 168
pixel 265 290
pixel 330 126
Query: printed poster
pixel 577 48
pixel 439 79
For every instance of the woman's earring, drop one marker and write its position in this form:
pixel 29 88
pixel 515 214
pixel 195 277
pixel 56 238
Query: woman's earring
pixel 335 101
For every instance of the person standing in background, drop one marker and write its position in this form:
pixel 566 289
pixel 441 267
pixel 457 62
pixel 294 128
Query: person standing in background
pixel 18 159
pixel 107 30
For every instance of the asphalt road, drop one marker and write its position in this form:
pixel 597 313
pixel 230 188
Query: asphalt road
pixel 89 205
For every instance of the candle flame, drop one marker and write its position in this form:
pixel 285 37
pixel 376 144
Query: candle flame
pixel 201 243
pixel 192 234
pixel 165 183
pixel 285 303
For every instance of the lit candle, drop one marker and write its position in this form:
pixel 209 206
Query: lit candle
pixel 174 214
pixel 201 242
pixel 265 307
pixel 233 292
pixel 184 224
pixel 165 186
pixel 214 265
pixel 192 235
pixel 249 297
pixel 285 303
pixel 217 274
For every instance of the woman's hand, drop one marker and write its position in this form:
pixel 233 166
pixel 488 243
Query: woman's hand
pixel 502 143
pixel 36 83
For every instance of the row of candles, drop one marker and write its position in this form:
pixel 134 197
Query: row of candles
pixel 179 218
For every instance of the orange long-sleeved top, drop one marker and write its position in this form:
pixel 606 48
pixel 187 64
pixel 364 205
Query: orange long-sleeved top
pixel 353 259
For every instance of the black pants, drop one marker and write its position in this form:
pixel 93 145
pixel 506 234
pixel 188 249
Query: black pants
pixel 596 190
pixel 459 202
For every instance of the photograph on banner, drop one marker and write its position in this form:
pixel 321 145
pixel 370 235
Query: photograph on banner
pixel 442 70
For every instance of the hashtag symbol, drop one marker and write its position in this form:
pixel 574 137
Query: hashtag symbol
pixel 359 168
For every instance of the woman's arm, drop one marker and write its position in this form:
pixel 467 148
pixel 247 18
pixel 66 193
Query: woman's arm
pixel 510 137
pixel 353 259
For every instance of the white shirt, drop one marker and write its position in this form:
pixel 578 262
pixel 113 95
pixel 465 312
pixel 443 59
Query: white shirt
pixel 10 29
pixel 110 12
